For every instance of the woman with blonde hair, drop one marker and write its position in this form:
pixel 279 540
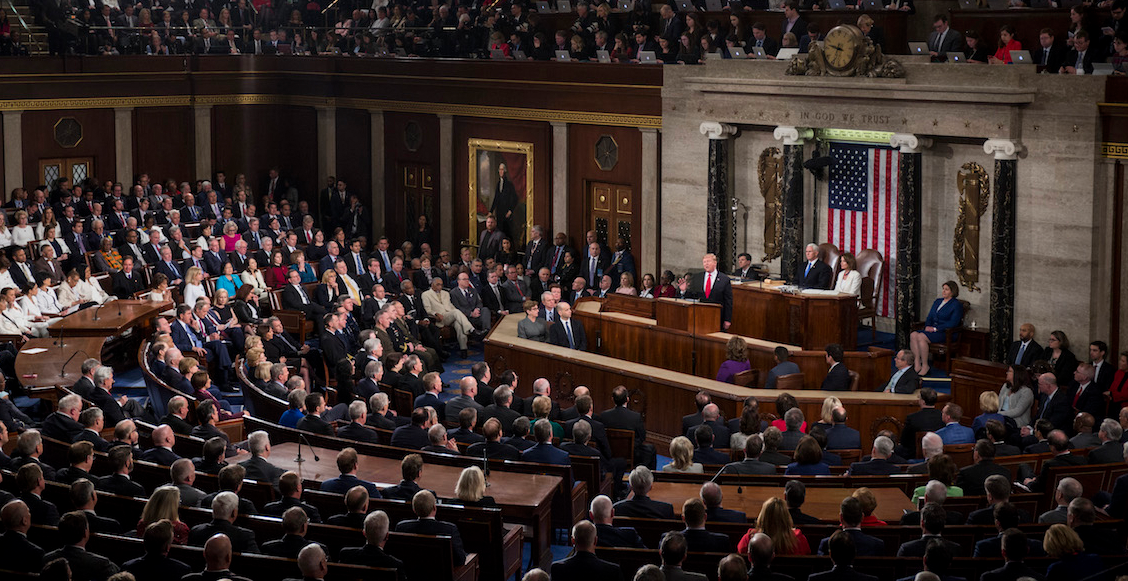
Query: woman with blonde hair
pixel 736 361
pixel 681 455
pixel 542 406
pixel 22 233
pixel 989 405
pixel 826 415
pixel 775 521
pixel 471 488
pixel 193 285
pixel 1065 545
pixel 164 504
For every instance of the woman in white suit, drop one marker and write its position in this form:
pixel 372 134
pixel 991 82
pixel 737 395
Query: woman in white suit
pixel 849 279
pixel 1016 398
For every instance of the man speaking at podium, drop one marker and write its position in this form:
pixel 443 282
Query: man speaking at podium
pixel 711 286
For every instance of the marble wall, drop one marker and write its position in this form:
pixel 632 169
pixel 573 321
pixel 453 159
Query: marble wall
pixel 1064 187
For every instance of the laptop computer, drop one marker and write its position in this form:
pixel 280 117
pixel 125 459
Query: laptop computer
pixel 520 55
pixel 969 4
pixel 1101 69
pixel 871 5
pixel 956 58
pixel 918 48
pixel 738 53
pixel 758 52
pixel 686 6
pixel 714 5
pixel 837 4
pixel 401 52
pixel 647 57
pixel 562 55
pixel 563 6
pixel 603 56
pixel 786 53
pixel 544 7
pixel 496 54
pixel 625 5
pixel 1021 57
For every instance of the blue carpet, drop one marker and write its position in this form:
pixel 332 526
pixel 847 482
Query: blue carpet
pixel 456 368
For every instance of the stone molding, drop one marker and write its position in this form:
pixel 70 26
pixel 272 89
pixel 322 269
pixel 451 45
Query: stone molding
pixel 791 135
pixel 1004 149
pixel 909 142
pixel 717 130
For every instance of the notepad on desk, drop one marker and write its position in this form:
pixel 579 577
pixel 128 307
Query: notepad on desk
pixel 33 351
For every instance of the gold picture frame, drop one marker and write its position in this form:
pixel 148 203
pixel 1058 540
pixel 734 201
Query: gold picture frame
pixel 485 159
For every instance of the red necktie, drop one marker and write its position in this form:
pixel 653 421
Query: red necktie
pixel 708 284
pixel 1078 396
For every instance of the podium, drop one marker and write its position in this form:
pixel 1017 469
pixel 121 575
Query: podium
pixel 693 317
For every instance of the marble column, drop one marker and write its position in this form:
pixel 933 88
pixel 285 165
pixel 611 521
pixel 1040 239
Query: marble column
pixel 203 127
pixel 559 178
pixel 792 235
pixel 1002 245
pixel 446 183
pixel 907 277
pixel 719 238
pixel 123 143
pixel 327 139
pixel 376 143
pixel 651 233
pixel 13 150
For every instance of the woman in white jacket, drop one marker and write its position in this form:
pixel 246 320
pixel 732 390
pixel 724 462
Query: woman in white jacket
pixel 849 279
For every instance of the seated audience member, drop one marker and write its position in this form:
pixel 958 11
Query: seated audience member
pixel 93 421
pixel 697 538
pixel 773 438
pixel 838 377
pixel 783 367
pixel 470 490
pixel 212 460
pixel 74 532
pixel 989 405
pixel 672 550
pixel 751 464
pixel 164 504
pixel 745 426
pixel 971 479
pixel 84 498
pixel 682 457
pixel 842 553
pixel 357 428
pixel 808 459
pixel 62 424
pixel 934 492
pixel 18 553
pixel 290 485
pixel 1005 517
pixel 464 433
pixel 544 452
pixel 926 419
pixel 295 525
pixel 156 563
pixel 177 412
pixel 761 553
pixel 932 521
pixel 1037 441
pixel 217 559
pixel 1014 552
pixel 879 463
pixel 231 480
pixel 258 466
pixel 424 507
pixel 795 427
pixel 411 468
pixel 121 460
pixel 439 442
pixel 602 514
pixel 795 493
pixel 711 417
pixel 1072 560
pixel 225 509
pixel 356 507
pixel 379 416
pixel 1098 541
pixel 868 502
pixel 931 446
pixel 1084 437
pixel 953 433
pixel 413 435
pixel 737 362
pixel 29 446
pixel 840 436
pixel 296 410
pixel 80 456
pixel 372 554
pixel 1110 450
pixel 1067 490
pixel 519 439
pixel 493 447
pixel 850 517
pixel 583 565
pixel 1059 446
pixel 775 521
pixel 701 399
pixel 183 475
pixel 348 462
pixel 712 496
pixel 998 490
pixel 639 505
pixel 312 421
pixel 501 410
pixel 161 453
pixel 996 432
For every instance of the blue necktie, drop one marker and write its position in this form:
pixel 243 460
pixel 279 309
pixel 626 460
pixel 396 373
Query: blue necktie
pixel 568 329
pixel 808 271
pixel 1021 352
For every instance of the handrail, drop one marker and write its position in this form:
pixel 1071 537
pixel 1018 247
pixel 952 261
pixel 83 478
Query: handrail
pixel 23 24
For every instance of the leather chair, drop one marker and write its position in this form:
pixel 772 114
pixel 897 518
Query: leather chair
pixel 830 254
pixel 789 382
pixel 871 265
pixel 854 380
pixel 950 347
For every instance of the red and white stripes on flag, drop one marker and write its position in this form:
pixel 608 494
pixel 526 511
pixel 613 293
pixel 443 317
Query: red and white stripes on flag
pixel 862 207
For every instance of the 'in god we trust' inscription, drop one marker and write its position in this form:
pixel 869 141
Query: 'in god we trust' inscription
pixel 868 119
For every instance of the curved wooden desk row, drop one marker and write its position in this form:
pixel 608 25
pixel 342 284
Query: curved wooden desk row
pixel 638 330
pixel 664 396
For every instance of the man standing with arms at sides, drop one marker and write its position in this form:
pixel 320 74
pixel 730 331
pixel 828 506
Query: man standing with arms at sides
pixel 504 202
pixel 712 286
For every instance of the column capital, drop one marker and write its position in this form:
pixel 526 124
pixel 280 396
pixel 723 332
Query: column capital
pixel 1004 149
pixel 560 124
pixel 717 130
pixel 909 143
pixel 791 135
pixel 123 109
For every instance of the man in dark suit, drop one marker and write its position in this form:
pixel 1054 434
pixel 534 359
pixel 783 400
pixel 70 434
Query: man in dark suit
pixel 1111 450
pixel 1059 445
pixel 18 553
pixel 493 447
pixel 932 521
pixel 413 435
pixel 1004 516
pixel 701 399
pixel 1049 56
pixel 761 552
pixel 813 273
pixel 74 532
pixel 712 496
pixel 1055 403
pixel 156 563
pixel 793 419
pixel 842 550
pixel 751 464
pixel 544 452
pixel 290 486
pixel 971 478
pixel 1084 54
pixel 21 270
pixel 622 418
pixel 838 377
pixel 568 332
pixel 640 505
pixel 424 507
pixel 372 554
pixel 594 266
pixel 501 410
pixel 161 453
pixel 670 27
pixel 598 430
pixel 879 463
pixel 1014 551
pixel 121 459
pixel 356 429
pixel 839 436
pixel 1025 351
pixel 63 424
pixel 711 416
pixel 312 421
pixel 850 516
pixel 705 453
pixel 225 509
pixel 928 419
pixel 602 513
pixel 84 499
pixel 583 565
pixel 712 286
pixel 904 378
pixel 127 281
pixel 536 251
pixel 1087 394
pixel 258 466
pixel 943 39
pixel 697 538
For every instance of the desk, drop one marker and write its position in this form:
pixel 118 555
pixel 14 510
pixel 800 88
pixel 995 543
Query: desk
pixel 525 499
pixel 133 313
pixel 821 503
pixel 49 364
pixel 809 321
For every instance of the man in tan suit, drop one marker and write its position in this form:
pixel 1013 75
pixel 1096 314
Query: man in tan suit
pixel 437 302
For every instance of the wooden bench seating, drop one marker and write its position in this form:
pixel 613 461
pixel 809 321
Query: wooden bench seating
pixel 906 482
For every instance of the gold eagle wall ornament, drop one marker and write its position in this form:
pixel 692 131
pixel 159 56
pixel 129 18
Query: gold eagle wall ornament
pixel 770 169
pixel 975 190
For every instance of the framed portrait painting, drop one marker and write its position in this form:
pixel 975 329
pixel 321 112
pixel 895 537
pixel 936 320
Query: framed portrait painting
pixel 501 194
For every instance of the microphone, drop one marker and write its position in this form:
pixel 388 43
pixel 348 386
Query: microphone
pixel 485 467
pixel 63 369
pixel 299 459
pixel 62 327
pixel 96 309
pixel 714 478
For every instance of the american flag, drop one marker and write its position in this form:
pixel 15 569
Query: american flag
pixel 863 207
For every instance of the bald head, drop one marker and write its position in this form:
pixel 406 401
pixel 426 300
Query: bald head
pixel 761 551
pixel 542 387
pixel 217 553
pixel 583 536
pixel 602 510
pixel 163 436
pixel 711 412
pixel 580 391
pixel 468 386
pixel 711 494
pixel 16 516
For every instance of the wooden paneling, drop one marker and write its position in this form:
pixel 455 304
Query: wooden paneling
pixel 252 139
pixel 396 154
pixel 164 144
pixel 812 322
pixel 97 142
pixel 583 170
pixel 538 134
pixel 354 153
pixel 971 377
pixel 1027 24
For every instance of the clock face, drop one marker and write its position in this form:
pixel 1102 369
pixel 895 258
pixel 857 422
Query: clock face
pixel 840 47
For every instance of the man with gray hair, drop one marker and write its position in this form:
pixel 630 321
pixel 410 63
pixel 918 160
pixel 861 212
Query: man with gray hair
pixel 440 443
pixel 468 388
pixel 935 492
pixel 378 412
pixel 372 554
pixel 63 424
pixel 793 419
pixel 905 378
pixel 640 505
pixel 1110 451
pixel 501 409
pixel 712 496
pixel 93 420
pixel 257 466
pixel 583 565
pixel 225 509
pixel 932 445
pixel 1067 490
pixel 357 429
pixel 813 273
pixel 879 463
pixel 541 386
pixel 1080 518
pixel 602 514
